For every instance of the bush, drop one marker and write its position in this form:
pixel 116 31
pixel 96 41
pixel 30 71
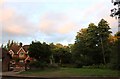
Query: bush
pixel 38 64
pixel 114 66
pixel 101 66
pixel 79 64
pixel 68 65
pixel 53 66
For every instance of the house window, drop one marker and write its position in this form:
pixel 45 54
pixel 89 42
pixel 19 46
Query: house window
pixel 21 60
pixel 21 54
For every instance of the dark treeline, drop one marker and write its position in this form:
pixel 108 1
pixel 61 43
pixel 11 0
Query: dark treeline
pixel 94 46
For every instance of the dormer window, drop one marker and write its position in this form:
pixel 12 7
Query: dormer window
pixel 21 54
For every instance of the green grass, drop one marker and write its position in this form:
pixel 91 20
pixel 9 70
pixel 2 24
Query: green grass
pixel 71 72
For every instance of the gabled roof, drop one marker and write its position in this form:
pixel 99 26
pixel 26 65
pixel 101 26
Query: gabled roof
pixel 15 48
pixel 20 50
pixel 25 47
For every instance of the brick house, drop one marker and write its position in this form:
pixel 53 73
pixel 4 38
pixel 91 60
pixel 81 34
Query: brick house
pixel 19 53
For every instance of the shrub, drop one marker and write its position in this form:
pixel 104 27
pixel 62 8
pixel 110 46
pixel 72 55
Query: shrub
pixel 101 66
pixel 38 64
pixel 53 66
pixel 114 66
pixel 78 64
pixel 68 65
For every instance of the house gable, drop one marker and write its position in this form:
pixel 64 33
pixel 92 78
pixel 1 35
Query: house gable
pixel 21 50
pixel 11 52
pixel 21 53
pixel 26 47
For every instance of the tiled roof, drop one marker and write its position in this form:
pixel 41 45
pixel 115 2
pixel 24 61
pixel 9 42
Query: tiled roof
pixel 25 47
pixel 15 48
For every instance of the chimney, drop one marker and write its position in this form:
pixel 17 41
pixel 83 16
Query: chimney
pixel 20 44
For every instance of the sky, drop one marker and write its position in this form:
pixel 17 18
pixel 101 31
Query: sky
pixel 56 21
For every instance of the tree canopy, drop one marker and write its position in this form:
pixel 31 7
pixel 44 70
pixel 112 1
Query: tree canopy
pixel 40 51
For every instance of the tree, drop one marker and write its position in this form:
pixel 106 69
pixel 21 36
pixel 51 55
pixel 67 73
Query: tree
pixel 52 47
pixel 92 44
pixel 115 55
pixel 86 50
pixel 103 34
pixel 80 48
pixel 89 42
pixel 41 52
pixel 9 44
pixel 61 54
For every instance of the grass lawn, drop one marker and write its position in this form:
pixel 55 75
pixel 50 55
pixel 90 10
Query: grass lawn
pixel 71 72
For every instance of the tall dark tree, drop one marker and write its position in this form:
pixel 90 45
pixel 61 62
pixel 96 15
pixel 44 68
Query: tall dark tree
pixel 80 48
pixel 103 34
pixel 92 44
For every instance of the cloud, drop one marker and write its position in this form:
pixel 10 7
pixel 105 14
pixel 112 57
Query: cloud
pixel 96 12
pixel 6 14
pixel 45 1
pixel 1 1
pixel 14 30
pixel 67 28
pixel 15 24
pixel 56 23
pixel 57 28
pixel 60 38
pixel 112 21
pixel 53 27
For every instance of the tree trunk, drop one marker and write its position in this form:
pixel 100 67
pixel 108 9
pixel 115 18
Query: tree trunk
pixel 103 51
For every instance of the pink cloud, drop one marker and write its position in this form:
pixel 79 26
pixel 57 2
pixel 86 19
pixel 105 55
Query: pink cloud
pixel 99 11
pixel 15 30
pixel 56 23
pixel 92 10
pixel 1 1
pixel 112 21
pixel 14 23
pixel 6 14
pixel 67 28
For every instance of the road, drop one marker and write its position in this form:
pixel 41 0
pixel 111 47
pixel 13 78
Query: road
pixel 10 77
